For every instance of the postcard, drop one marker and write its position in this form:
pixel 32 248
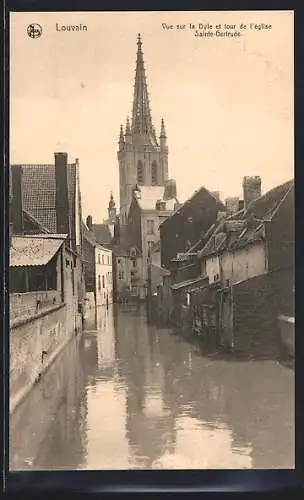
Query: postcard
pixel 151 240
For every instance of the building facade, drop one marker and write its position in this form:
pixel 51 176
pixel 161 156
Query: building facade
pixel 98 268
pixel 46 199
pixel 149 207
pixel 104 276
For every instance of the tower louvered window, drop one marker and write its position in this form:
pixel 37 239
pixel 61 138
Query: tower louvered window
pixel 154 174
pixel 140 173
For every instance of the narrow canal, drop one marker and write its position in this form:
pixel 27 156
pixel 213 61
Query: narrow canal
pixel 127 396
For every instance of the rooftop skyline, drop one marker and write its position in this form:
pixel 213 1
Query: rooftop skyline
pixel 227 104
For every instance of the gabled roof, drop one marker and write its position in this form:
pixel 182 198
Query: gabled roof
pixel 265 206
pixel 90 236
pixel 247 226
pixel 102 234
pixel 34 250
pixel 197 192
pixel 39 192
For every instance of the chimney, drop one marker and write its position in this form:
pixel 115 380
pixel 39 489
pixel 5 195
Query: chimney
pixel 16 206
pixel 251 189
pixel 62 199
pixel 232 205
pixel 170 191
pixel 160 205
pixel 90 222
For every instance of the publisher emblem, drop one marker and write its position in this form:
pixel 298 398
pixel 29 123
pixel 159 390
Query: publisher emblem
pixel 34 30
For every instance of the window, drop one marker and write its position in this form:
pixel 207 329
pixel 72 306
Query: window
pixel 98 258
pixel 154 174
pixel 151 226
pixel 103 282
pixel 140 173
pixel 119 261
pixel 121 275
pixel 99 284
pixel 102 259
pixel 150 246
pixel 134 262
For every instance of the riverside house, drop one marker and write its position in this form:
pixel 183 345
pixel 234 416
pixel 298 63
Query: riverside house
pixel 46 281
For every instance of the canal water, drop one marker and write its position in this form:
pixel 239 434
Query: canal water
pixel 127 396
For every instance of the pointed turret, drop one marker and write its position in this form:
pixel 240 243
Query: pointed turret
pixel 128 134
pixel 163 136
pixel 141 114
pixel 163 130
pixel 121 136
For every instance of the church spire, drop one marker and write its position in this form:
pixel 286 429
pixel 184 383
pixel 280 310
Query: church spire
pixel 141 114
pixel 121 135
pixel 128 128
pixel 162 130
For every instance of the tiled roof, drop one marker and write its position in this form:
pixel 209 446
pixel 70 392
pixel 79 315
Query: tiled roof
pixel 189 283
pixel 102 233
pixel 34 251
pixel 150 195
pixel 265 206
pixel 35 222
pixel 215 244
pixel 90 236
pixel 247 226
pixel 39 193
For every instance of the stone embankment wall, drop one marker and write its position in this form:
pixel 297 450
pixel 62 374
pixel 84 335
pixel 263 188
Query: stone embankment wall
pixel 59 397
pixel 35 341
pixel 27 304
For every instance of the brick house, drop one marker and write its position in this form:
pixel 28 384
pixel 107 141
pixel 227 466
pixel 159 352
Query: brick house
pixel 249 256
pixel 188 223
pixel 46 199
pixel 46 282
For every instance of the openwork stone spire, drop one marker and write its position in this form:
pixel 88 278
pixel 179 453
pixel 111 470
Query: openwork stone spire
pixel 141 114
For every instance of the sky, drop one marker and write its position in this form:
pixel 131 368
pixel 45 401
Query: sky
pixel 227 102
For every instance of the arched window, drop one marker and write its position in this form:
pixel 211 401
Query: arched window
pixel 140 173
pixel 154 173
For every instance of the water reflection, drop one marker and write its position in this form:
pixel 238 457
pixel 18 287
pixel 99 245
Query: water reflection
pixel 129 396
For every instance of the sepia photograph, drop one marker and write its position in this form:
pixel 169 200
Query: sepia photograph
pixel 151 240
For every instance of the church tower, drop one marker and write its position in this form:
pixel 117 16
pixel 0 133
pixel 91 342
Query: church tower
pixel 143 160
